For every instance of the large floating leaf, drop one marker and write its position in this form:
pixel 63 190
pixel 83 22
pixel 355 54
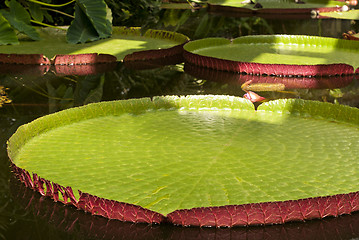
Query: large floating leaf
pixel 276 55
pixel 196 160
pixel 282 6
pixel 352 14
pixel 124 41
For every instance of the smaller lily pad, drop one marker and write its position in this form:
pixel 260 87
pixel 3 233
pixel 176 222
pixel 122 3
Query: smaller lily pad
pixel 351 15
pixel 287 55
pixel 275 6
pixel 125 42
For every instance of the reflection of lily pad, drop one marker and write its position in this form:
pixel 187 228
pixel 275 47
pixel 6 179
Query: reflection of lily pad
pixel 275 6
pixel 196 160
pixel 276 55
pixel 124 41
pixel 60 70
pixel 320 82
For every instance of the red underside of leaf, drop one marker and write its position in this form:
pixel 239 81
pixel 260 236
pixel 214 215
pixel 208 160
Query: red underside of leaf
pixel 84 69
pixel 224 216
pixel 168 56
pixel 175 51
pixel 293 82
pixel 268 212
pixel 79 224
pixel 79 59
pixel 268 69
pixel 154 63
pixel 38 59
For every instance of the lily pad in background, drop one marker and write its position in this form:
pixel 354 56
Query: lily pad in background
pixel 275 6
pixel 195 160
pixel 287 55
pixel 124 41
pixel 352 15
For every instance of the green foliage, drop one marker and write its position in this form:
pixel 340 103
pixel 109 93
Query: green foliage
pixel 20 19
pixel 8 35
pixel 199 24
pixel 92 20
pixel 81 30
pixel 127 12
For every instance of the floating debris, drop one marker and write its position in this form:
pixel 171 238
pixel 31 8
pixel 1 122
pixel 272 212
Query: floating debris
pixel 3 97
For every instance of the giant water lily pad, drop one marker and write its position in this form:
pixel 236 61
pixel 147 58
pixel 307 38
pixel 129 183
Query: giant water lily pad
pixel 195 160
pixel 352 14
pixel 128 42
pixel 275 6
pixel 286 55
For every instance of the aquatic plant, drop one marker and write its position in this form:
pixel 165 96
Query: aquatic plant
pixel 92 20
pixel 195 160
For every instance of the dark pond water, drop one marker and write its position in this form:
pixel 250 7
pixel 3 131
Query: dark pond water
pixel 26 215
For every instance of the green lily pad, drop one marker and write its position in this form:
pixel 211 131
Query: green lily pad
pixel 282 5
pixel 276 55
pixel 124 41
pixel 352 14
pixel 195 160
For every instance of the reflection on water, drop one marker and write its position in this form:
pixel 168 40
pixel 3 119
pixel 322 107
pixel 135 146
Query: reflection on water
pixel 37 91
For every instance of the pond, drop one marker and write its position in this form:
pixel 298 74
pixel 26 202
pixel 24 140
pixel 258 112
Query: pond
pixel 24 214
